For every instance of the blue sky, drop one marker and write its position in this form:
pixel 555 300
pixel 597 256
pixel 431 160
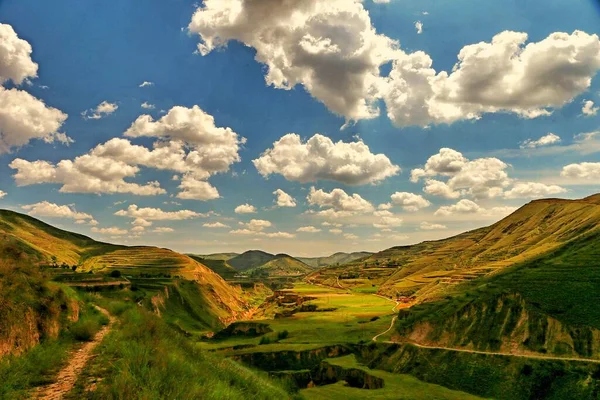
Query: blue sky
pixel 88 54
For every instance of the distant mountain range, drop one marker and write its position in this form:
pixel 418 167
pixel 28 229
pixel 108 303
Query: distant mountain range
pixel 256 261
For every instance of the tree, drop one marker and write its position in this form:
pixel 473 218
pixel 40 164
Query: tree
pixel 115 273
pixel 54 261
pixel 74 268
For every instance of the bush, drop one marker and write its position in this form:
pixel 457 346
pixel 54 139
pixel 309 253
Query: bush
pixel 84 330
pixel 264 340
pixel 283 335
pixel 115 273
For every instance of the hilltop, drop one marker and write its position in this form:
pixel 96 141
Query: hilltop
pixel 282 265
pixel 250 259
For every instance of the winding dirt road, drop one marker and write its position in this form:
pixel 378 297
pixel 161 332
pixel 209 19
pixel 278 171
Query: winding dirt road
pixel 66 378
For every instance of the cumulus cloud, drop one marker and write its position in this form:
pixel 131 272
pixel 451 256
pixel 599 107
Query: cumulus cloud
pixel 428 226
pixel 410 201
pixel 103 109
pixel 546 140
pixel 284 199
pixel 504 75
pixel 15 57
pixel 322 159
pixel 163 230
pixel 215 225
pixel 336 231
pixel 2 194
pixel 308 229
pixel 338 200
pixel 584 170
pixel 146 83
pixel 147 106
pixel 466 207
pixel 156 214
pixel 47 209
pixel 532 190
pixel 24 117
pixel 256 227
pixel 350 236
pixel 245 209
pixel 588 108
pixel 112 231
pixel 479 178
pixel 187 142
pixel 328 46
pixel 86 174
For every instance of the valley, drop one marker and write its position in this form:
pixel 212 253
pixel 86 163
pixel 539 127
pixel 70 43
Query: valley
pixel 507 312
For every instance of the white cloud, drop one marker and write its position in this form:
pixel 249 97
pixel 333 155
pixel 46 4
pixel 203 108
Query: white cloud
pixel 532 190
pixel 502 76
pixel 428 226
pixel 584 170
pixel 146 83
pixel 336 231
pixel 194 189
pixel 309 229
pixel 386 220
pixel 546 140
pixel 381 1
pixel 24 117
pixel 113 231
pixel 338 200
pixel 163 230
pixel 322 159
pixel 103 109
pixel 245 209
pixel 256 227
pixel 328 46
pixel 215 225
pixel 15 57
pixel 419 27
pixel 588 109
pixel 156 214
pixel 147 106
pixel 86 174
pixel 2 194
pixel 385 206
pixel 468 207
pixel 410 201
pixel 141 222
pixel 138 229
pixel 350 236
pixel 479 178
pixel 47 209
pixel 284 199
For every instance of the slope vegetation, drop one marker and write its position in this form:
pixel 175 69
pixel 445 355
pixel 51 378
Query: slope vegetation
pixel 40 242
pixel 282 265
pixel 250 259
pixel 337 258
pixel 429 269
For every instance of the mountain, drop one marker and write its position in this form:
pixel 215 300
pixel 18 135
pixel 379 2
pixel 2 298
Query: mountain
pixel 427 270
pixel 250 259
pixel 23 237
pixel 217 256
pixel 282 265
pixel 337 258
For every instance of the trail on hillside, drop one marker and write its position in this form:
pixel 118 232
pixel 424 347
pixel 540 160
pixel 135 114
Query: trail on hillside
pixel 386 331
pixel 78 359
pixel 491 353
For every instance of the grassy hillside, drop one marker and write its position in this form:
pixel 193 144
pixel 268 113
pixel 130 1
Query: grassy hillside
pixel 39 242
pixel 337 258
pixel 219 266
pixel 282 265
pixel 250 259
pixel 217 256
pixel 429 269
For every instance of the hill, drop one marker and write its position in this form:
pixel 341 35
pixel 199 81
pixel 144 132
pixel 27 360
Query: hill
pixel 219 266
pixel 40 242
pixel 282 265
pixel 217 256
pixel 250 259
pixel 427 270
pixel 337 258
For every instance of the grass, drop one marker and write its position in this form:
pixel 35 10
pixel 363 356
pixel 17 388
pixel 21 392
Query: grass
pixel 143 358
pixel 397 387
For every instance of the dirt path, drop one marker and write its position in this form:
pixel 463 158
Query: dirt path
pixel 539 357
pixel 386 331
pixel 67 377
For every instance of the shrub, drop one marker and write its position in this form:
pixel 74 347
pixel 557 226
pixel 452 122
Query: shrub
pixel 264 340
pixel 283 335
pixel 115 273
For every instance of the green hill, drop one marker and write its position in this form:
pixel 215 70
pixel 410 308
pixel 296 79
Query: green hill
pixel 39 242
pixel 217 256
pixel 250 259
pixel 282 265
pixel 337 258
pixel 429 269
pixel 219 266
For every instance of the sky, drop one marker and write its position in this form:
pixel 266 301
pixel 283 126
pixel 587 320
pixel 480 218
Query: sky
pixel 305 127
